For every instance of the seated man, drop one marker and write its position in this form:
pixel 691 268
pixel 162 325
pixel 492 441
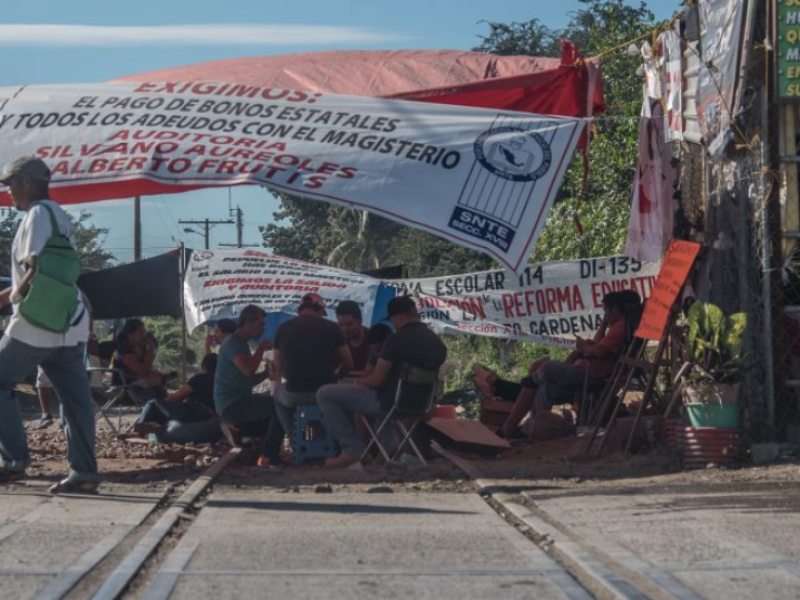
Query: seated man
pixel 414 344
pixel 190 403
pixel 554 382
pixel 236 375
pixel 376 338
pixel 308 352
pixel 348 315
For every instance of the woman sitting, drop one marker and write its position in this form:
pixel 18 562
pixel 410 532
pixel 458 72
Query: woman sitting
pixel 222 329
pixel 190 403
pixel 555 382
pixel 134 357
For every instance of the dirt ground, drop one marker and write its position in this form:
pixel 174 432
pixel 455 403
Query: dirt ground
pixel 538 464
pixel 132 461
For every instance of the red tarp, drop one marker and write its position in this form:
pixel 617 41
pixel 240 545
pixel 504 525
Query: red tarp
pixel 548 86
pixel 524 83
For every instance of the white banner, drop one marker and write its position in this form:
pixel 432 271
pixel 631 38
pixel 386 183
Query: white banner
pixel 549 303
pixel 652 205
pixel 670 43
pixel 481 178
pixel 221 283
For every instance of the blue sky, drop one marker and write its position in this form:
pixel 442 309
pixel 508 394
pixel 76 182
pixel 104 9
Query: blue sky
pixel 55 41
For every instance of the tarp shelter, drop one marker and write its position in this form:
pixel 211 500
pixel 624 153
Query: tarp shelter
pixel 565 86
pixel 147 288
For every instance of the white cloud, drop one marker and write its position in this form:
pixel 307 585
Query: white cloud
pixel 182 35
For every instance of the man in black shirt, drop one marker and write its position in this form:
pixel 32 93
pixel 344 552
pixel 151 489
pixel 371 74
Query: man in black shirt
pixel 192 402
pixel 348 314
pixel 308 352
pixel 414 344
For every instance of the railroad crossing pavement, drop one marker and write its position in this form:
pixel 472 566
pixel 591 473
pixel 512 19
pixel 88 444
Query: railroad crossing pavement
pixel 251 543
pixel 49 543
pixel 679 541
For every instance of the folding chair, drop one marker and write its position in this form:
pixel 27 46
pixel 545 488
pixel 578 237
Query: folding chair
pixel 109 387
pixel 590 401
pixel 413 402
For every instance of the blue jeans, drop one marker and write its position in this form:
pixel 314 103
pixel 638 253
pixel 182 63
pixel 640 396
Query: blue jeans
pixel 164 411
pixel 338 403
pixel 557 383
pixel 285 401
pixel 255 415
pixel 65 368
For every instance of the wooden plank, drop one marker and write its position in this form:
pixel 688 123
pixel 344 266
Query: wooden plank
pixel 463 431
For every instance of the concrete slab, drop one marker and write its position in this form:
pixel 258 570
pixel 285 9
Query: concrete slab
pixel 23 587
pixel 718 544
pixel 47 543
pixel 356 546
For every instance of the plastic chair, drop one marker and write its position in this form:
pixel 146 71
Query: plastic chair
pixel 413 402
pixel 310 437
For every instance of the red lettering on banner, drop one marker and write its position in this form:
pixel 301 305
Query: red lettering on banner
pixel 226 90
pixel 643 285
pixel 543 301
pixel 508 305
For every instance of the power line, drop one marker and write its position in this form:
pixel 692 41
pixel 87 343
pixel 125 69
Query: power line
pixel 239 213
pixel 207 224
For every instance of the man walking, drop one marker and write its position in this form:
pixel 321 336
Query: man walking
pixel 26 345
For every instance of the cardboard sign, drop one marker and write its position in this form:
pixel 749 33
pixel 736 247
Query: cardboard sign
pixel 674 270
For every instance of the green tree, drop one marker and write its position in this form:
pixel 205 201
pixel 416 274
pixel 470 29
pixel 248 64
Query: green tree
pixel 89 240
pixel 601 28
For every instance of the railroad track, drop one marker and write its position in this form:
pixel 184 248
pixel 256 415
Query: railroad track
pixel 158 550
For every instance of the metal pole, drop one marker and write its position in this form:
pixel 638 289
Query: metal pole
pixel 207 234
pixel 137 228
pixel 239 226
pixel 183 314
pixel 766 270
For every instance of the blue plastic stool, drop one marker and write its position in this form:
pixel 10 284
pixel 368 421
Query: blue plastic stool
pixel 311 439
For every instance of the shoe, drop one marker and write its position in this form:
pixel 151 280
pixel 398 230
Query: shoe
pixel 232 436
pixel 516 434
pixel 44 421
pixel 342 461
pixel 7 476
pixel 74 486
pixel 266 462
pixel 144 429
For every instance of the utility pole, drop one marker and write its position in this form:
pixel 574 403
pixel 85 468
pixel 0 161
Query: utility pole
pixel 207 224
pixel 137 228
pixel 239 230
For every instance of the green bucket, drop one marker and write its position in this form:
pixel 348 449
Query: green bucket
pixel 712 414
